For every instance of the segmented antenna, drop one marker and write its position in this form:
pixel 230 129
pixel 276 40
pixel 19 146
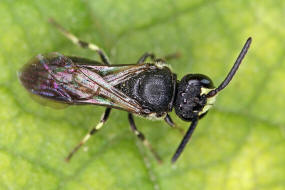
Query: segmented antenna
pixel 233 70
pixel 212 93
pixel 185 140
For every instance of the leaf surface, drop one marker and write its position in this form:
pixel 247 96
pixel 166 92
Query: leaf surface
pixel 240 143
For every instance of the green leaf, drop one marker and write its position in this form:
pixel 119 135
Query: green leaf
pixel 240 143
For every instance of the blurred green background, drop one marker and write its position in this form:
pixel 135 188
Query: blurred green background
pixel 240 144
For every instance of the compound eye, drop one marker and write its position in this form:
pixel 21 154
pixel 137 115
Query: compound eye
pixel 207 83
pixel 200 80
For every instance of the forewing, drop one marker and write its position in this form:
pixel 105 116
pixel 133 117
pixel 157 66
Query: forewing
pixel 37 76
pixel 115 74
pixel 59 78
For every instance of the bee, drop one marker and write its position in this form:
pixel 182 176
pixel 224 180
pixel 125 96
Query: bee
pixel 147 88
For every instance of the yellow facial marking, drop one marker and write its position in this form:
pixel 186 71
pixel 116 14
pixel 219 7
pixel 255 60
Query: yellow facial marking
pixel 210 101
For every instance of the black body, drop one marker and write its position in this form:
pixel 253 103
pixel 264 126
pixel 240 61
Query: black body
pixel 154 90
pixel 147 89
pixel 189 102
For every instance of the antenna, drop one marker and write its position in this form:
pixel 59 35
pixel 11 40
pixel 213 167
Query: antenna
pixel 233 70
pixel 185 140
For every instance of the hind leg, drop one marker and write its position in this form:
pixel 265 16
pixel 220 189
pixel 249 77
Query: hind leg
pixel 81 43
pixel 96 128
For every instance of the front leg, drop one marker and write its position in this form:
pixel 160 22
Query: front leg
pixel 170 122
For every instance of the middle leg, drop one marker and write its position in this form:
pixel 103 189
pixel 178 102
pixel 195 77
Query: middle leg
pixel 145 56
pixel 153 57
pixel 142 137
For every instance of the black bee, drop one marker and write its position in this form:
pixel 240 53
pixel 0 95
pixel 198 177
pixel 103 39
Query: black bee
pixel 147 89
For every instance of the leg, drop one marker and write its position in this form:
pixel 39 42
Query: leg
pixel 175 55
pixel 142 138
pixel 104 118
pixel 81 43
pixel 105 60
pixel 152 56
pixel 169 121
pixel 145 56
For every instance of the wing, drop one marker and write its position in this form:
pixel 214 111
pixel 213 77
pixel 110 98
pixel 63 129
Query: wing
pixel 74 80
